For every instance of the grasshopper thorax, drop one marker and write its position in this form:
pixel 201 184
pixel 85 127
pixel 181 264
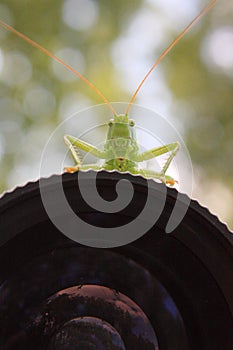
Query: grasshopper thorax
pixel 121 145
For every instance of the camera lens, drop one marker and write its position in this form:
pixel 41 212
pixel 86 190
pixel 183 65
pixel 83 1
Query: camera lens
pixel 162 291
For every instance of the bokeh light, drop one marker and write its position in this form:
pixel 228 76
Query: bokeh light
pixel 80 14
pixel 17 68
pixel 39 102
pixel 74 58
pixel 217 49
pixel 1 61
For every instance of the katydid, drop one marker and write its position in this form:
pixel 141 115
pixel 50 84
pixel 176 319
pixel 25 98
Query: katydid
pixel 121 150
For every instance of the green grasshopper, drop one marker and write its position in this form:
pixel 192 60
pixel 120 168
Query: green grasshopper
pixel 121 150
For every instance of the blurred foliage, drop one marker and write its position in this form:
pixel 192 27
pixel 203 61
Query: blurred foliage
pixel 42 21
pixel 205 90
pixel 209 134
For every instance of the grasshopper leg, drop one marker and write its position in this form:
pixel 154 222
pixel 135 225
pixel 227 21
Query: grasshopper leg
pixel 74 145
pixel 155 152
pixel 171 156
pixel 75 155
pixel 171 148
pixel 166 179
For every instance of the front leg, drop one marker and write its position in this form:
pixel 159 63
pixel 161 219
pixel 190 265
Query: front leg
pixel 172 155
pixel 155 152
pixel 74 145
pixel 158 151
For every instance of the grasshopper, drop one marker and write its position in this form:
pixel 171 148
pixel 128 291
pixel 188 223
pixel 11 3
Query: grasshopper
pixel 121 150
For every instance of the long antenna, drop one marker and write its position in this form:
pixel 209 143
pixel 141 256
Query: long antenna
pixel 202 13
pixel 67 66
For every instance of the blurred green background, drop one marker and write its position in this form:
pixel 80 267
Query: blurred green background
pixel 114 43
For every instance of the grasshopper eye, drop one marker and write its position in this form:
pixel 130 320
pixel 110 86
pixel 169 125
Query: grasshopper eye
pixel 131 122
pixel 110 122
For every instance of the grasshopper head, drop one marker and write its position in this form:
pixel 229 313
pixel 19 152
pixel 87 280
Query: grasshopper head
pixel 121 127
pixel 121 118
